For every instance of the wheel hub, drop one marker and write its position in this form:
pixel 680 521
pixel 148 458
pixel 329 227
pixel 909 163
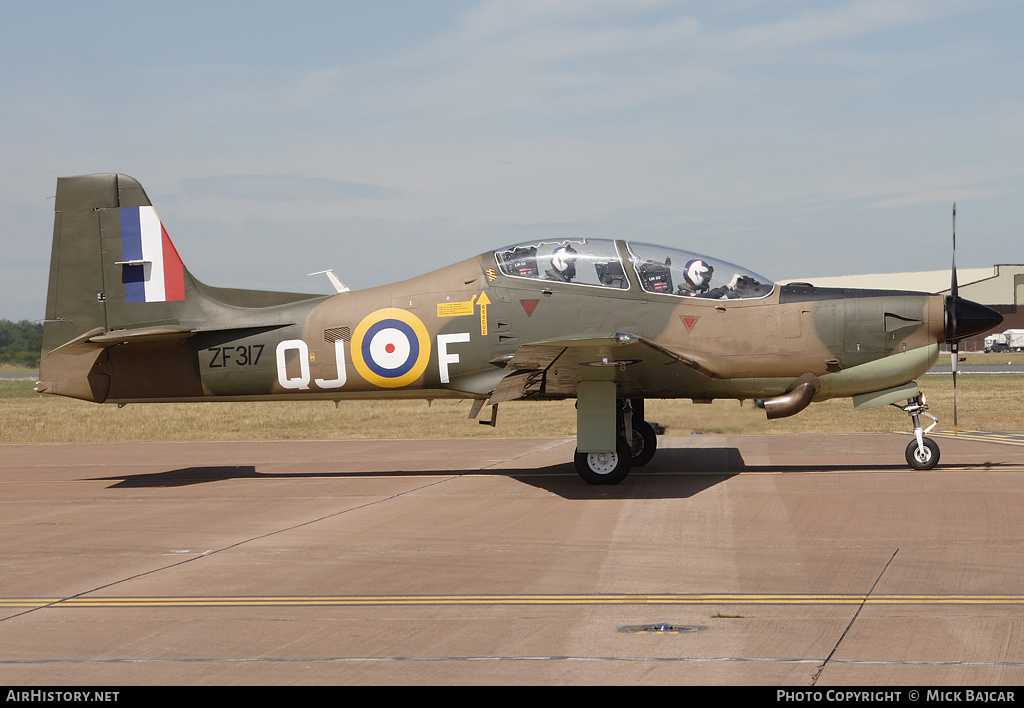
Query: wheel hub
pixel 602 462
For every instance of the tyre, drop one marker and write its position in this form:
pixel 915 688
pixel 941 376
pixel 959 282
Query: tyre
pixel 923 459
pixel 605 467
pixel 645 443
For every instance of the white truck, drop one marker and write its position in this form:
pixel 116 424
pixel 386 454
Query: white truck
pixel 1012 340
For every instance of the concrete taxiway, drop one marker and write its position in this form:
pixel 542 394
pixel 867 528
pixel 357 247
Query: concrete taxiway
pixel 774 560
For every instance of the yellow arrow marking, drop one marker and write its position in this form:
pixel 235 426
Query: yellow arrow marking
pixel 483 301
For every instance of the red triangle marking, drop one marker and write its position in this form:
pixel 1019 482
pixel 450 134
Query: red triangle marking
pixel 529 306
pixel 689 321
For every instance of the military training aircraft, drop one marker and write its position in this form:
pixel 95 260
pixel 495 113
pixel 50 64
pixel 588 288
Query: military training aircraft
pixel 610 323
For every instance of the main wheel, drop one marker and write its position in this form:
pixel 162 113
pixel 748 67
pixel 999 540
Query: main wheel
pixel 645 443
pixel 923 459
pixel 605 467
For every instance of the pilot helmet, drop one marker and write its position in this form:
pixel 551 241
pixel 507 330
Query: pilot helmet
pixel 564 260
pixel 698 274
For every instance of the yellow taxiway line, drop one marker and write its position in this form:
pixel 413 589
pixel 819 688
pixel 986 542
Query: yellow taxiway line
pixel 609 599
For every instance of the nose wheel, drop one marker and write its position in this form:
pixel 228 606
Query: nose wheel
pixel 922 452
pixel 923 455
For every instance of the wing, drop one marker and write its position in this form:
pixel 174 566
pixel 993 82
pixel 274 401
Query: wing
pixel 553 369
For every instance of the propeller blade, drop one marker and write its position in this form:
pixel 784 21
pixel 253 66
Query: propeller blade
pixel 955 426
pixel 953 289
pixel 954 349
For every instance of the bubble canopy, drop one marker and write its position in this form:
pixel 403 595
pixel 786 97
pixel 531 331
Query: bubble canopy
pixel 658 269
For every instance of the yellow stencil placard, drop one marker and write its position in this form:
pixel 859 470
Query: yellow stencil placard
pixel 457 309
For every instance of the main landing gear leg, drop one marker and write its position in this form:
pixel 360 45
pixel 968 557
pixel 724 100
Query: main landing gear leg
pixel 642 439
pixel 602 455
pixel 612 436
pixel 922 453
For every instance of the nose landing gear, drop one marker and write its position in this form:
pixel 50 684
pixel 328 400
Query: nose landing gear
pixel 922 452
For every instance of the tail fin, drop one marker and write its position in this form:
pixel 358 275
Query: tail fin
pixel 113 267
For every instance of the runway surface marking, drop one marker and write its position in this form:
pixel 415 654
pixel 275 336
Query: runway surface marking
pixel 508 658
pixel 609 599
pixel 502 658
pixel 996 436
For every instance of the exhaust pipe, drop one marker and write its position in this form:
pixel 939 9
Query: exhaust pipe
pixel 797 397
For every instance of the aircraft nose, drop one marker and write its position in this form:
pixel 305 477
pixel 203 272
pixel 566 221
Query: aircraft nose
pixel 971 318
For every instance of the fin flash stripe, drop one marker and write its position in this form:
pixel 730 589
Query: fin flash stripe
pixel 151 268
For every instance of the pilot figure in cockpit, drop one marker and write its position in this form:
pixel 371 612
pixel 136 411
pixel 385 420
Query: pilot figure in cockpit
pixel 563 264
pixel 697 276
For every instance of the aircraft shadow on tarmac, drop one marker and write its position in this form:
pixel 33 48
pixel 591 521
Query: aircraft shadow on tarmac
pixel 560 479
pixel 674 473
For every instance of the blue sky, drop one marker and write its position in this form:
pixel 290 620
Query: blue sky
pixel 386 139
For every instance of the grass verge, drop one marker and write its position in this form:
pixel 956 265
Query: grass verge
pixel 985 402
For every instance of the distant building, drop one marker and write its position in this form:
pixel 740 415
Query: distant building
pixel 1001 287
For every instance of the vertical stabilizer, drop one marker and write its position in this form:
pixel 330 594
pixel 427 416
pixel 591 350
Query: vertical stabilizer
pixel 112 266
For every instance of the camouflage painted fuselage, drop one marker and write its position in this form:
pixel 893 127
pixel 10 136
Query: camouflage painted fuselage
pixel 469 330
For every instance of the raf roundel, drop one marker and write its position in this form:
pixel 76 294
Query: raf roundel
pixel 390 348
